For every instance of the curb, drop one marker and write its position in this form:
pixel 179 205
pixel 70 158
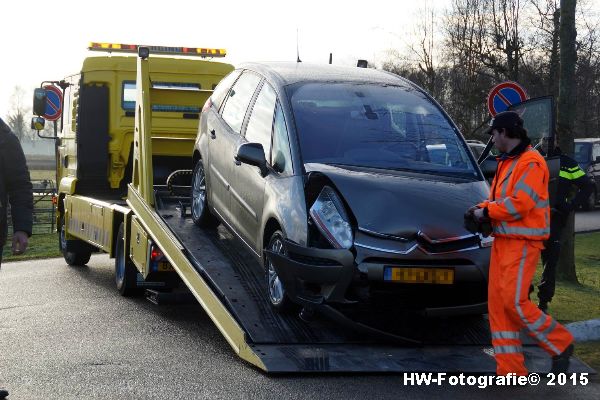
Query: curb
pixel 585 330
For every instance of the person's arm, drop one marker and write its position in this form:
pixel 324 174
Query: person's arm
pixel 530 191
pixel 584 185
pixel 19 189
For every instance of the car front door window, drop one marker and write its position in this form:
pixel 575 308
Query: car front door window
pixel 281 157
pixel 261 120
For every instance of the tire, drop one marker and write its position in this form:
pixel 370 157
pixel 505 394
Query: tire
pixel 275 290
pixel 78 253
pixel 201 214
pixel 125 271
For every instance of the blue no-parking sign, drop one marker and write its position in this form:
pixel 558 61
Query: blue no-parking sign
pixel 54 101
pixel 504 95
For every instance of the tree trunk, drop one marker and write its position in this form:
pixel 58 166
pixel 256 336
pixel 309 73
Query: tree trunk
pixel 566 120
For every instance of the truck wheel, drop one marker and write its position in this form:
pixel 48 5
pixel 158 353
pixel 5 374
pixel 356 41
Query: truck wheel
pixel 78 253
pixel 125 271
pixel 275 290
pixel 201 214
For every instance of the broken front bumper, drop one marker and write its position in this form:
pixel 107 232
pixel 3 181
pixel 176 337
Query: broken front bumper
pixel 331 269
pixel 313 276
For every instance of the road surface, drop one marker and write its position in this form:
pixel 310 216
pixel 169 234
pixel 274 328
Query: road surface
pixel 65 333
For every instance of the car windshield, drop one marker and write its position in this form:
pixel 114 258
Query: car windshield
pixel 376 126
pixel 582 152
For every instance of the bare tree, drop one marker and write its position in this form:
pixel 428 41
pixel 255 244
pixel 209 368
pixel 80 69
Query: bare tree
pixel 565 122
pixel 18 113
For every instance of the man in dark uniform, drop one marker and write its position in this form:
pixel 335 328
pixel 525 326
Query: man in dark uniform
pixel 574 187
pixel 16 190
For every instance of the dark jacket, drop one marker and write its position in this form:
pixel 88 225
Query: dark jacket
pixel 574 186
pixel 15 185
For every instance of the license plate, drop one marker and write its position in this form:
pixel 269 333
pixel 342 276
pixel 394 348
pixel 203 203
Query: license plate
pixel 439 276
pixel 164 266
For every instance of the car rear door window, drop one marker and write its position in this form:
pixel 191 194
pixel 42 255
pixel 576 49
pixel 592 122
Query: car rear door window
pixel 260 124
pixel 238 100
pixel 223 87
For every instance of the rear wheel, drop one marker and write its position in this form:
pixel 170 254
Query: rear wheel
pixel 75 252
pixel 125 271
pixel 201 214
pixel 275 290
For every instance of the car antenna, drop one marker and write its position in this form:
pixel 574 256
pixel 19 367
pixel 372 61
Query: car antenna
pixel 330 58
pixel 297 48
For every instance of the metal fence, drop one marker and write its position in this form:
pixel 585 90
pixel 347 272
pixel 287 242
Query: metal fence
pixel 44 209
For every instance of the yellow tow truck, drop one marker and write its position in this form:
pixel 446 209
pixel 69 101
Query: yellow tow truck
pixel 124 144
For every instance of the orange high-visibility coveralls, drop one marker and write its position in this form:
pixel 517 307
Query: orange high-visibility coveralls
pixel 519 210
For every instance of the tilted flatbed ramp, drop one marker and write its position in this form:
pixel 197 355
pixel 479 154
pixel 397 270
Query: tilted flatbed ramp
pixel 230 286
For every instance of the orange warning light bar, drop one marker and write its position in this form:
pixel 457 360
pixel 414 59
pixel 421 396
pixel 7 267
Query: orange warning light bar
pixel 182 51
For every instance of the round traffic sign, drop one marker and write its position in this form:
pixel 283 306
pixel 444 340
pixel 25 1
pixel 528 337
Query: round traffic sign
pixel 505 95
pixel 54 101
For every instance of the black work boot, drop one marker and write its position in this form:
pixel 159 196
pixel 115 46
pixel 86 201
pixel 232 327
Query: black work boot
pixel 560 363
pixel 3 393
pixel 543 305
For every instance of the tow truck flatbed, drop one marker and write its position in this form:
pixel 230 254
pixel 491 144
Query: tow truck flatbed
pixel 285 343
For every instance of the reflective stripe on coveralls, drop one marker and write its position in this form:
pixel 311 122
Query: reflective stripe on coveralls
pixel 542 337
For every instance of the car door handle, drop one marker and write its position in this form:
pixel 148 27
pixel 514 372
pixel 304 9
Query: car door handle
pixel 213 134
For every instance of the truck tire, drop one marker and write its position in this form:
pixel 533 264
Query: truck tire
pixel 75 253
pixel 275 290
pixel 125 271
pixel 201 214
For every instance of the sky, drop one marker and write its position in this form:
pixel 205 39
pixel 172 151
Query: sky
pixel 47 40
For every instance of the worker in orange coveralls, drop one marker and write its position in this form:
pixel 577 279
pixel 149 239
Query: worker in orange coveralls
pixel 519 213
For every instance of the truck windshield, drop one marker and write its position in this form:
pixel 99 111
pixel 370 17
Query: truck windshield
pixel 376 126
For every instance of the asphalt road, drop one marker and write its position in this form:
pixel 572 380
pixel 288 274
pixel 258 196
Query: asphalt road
pixel 66 334
pixel 586 221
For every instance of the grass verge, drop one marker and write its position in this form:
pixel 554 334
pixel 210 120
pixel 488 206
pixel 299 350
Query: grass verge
pixel 581 301
pixel 40 246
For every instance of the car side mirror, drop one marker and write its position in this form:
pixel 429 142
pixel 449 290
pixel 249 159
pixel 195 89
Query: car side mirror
pixel 488 167
pixel 597 159
pixel 252 154
pixel 39 101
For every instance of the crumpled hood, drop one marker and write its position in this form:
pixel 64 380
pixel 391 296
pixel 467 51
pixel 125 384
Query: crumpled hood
pixel 402 204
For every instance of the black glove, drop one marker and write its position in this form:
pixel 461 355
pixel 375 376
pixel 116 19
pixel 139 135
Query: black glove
pixel 469 220
pixel 483 225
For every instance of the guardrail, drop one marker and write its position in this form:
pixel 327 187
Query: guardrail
pixel 44 209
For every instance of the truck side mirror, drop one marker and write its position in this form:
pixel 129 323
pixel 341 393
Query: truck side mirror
pixel 38 123
pixel 39 101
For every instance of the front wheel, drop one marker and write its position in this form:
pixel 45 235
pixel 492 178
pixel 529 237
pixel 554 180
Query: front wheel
pixel 75 252
pixel 275 290
pixel 201 214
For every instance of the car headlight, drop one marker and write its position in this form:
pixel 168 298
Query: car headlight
pixel 330 216
pixel 485 241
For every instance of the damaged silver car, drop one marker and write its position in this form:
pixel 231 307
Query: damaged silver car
pixel 348 184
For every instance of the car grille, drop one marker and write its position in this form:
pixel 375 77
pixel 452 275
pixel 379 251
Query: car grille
pixel 449 246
